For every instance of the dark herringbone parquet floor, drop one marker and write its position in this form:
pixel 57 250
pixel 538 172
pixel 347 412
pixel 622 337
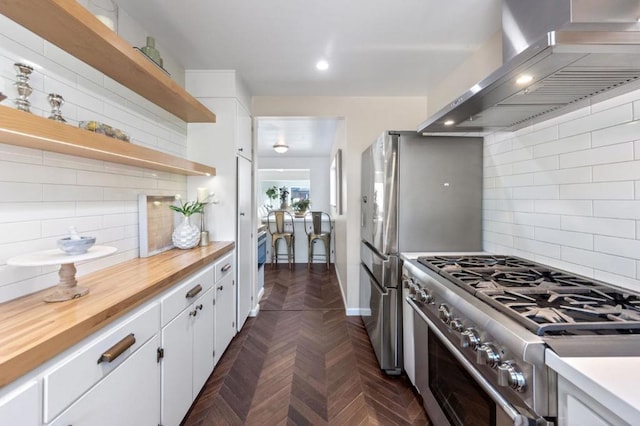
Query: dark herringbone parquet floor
pixel 302 361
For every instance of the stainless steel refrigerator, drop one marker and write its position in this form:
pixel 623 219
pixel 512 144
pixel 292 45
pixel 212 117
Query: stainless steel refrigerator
pixel 419 194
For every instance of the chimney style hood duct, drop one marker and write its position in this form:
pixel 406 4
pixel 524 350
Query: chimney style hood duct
pixel 584 48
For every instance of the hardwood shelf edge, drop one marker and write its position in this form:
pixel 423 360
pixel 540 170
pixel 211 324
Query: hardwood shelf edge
pixel 41 350
pixel 23 129
pixel 71 27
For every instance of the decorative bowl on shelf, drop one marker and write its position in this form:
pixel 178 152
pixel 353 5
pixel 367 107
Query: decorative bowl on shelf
pixel 80 246
pixel 104 129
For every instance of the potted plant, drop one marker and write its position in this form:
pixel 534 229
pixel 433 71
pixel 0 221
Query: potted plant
pixel 284 197
pixel 272 194
pixel 300 207
pixel 186 235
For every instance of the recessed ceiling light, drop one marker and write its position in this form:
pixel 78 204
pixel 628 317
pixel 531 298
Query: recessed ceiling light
pixel 322 65
pixel 449 122
pixel 524 79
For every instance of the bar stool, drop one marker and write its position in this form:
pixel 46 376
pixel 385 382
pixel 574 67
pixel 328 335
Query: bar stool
pixel 277 221
pixel 318 226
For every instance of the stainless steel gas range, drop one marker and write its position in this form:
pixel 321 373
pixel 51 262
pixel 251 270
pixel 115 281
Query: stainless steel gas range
pixel 481 324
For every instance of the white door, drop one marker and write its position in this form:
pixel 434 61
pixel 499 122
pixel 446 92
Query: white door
pixel 177 367
pixel 202 340
pixel 246 245
pixel 225 313
pixel 127 397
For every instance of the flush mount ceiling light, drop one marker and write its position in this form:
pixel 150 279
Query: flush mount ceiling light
pixel 322 65
pixel 280 147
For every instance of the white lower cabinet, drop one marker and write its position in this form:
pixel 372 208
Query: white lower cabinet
pixel 145 368
pixel 19 407
pixel 129 396
pixel 187 345
pixel 578 408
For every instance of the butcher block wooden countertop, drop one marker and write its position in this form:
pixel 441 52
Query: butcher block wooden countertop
pixel 33 331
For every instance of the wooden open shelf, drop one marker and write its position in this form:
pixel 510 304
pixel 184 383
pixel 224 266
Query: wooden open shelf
pixel 32 131
pixel 71 27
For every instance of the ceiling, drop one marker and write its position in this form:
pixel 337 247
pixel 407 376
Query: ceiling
pixel 305 136
pixel 374 48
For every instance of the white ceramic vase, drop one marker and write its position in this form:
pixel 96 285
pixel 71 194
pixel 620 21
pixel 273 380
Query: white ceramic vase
pixel 186 235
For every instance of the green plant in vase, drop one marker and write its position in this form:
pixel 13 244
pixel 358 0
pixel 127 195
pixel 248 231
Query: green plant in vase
pixel 272 194
pixel 300 207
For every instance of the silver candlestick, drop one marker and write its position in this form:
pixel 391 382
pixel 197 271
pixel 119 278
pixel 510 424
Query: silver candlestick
pixel 22 84
pixel 56 101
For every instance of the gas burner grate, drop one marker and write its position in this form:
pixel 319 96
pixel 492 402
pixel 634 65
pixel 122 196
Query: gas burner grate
pixel 569 310
pixel 448 263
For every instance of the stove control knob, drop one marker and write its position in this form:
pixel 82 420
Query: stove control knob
pixel 413 289
pixel 456 325
pixel 444 313
pixel 423 296
pixel 488 355
pixel 470 339
pixel 509 375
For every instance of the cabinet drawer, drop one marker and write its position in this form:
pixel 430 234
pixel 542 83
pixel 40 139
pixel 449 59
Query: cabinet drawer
pixel 184 294
pixel 69 379
pixel 20 407
pixel 224 267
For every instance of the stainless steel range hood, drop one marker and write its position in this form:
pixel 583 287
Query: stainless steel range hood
pixel 584 48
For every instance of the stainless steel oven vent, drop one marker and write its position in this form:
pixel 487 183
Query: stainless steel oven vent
pixel 592 48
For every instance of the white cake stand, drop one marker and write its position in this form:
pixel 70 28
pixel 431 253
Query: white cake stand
pixel 67 288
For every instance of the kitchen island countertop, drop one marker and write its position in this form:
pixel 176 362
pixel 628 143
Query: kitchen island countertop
pixel 33 331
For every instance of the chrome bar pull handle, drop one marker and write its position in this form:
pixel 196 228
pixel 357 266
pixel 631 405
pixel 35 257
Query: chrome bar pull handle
pixel 194 291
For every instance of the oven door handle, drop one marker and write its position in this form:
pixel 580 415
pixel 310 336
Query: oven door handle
pixel 518 418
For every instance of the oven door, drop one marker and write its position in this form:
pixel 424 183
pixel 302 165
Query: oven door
pixel 453 391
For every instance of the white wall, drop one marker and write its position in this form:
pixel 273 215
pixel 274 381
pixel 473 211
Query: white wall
pixel 566 192
pixel 364 119
pixel 43 193
pixel 318 179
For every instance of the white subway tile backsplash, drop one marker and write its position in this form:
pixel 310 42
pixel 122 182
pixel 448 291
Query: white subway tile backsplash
pixel 570 144
pixel 600 261
pixel 514 180
pixel 573 175
pixel 497 238
pixel 497 216
pixel 607 118
pixel 617 279
pixel 600 226
pixel 617 209
pixel 536 165
pixel 44 193
pixel 544 192
pixel 535 137
pixel 524 231
pixel 585 190
pixel 628 170
pixel 608 154
pixel 496 193
pixel 537 219
pixel 497 148
pixel 627 132
pixel 60 227
pixel 514 205
pixel 624 247
pixel 71 193
pixel 537 247
pixel 598 191
pixel 488 183
pixel 17 172
pixel 564 207
pixel 18 192
pixel 565 238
